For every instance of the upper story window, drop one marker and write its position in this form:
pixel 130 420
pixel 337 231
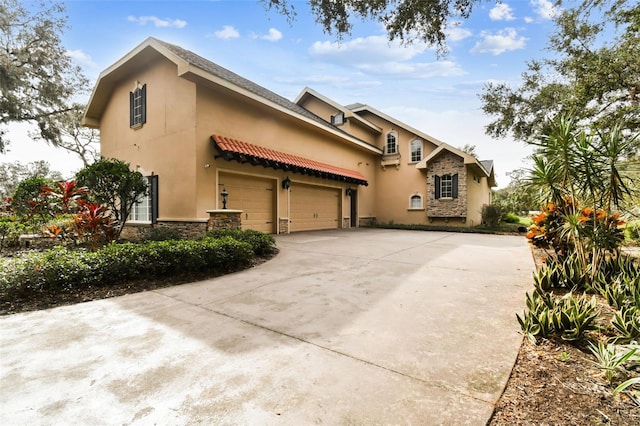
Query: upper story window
pixel 446 186
pixel 138 106
pixel 416 150
pixel 392 143
pixel 337 119
pixel 416 202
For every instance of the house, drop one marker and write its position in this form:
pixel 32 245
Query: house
pixel 198 130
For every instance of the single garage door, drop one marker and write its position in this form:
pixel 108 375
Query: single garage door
pixel 314 207
pixel 255 197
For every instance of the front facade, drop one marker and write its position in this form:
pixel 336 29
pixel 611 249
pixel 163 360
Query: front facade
pixel 198 130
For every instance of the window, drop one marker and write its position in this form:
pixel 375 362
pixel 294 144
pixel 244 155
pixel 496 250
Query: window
pixel 392 143
pixel 416 202
pixel 146 209
pixel 138 106
pixel 446 186
pixel 416 150
pixel 337 119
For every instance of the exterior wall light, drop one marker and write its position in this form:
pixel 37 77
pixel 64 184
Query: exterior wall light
pixel 286 183
pixel 349 192
pixel 225 196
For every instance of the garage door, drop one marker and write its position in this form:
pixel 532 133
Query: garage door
pixel 255 197
pixel 314 207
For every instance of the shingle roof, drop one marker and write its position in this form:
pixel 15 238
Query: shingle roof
pixel 215 69
pixel 233 149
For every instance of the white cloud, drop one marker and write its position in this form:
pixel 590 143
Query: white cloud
pixel 496 44
pixel 544 8
pixel 455 32
pixel 365 50
pixel 274 35
pixel 528 19
pixel 81 58
pixel 157 22
pixel 227 32
pixel 376 55
pixel 501 12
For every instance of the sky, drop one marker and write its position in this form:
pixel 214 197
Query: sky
pixel 438 96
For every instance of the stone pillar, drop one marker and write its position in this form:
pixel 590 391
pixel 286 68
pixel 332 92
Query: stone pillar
pixel 283 225
pixel 224 219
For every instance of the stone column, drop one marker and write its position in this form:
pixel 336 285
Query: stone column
pixel 224 219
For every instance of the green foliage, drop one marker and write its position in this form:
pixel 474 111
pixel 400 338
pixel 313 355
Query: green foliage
pixel 511 218
pixel 632 231
pixel 11 174
pixel 407 21
pixel 593 42
pixel 38 77
pixel 491 215
pixel 611 359
pixel 61 270
pixel 160 233
pixel 260 242
pixel 626 321
pixel 28 201
pixel 111 182
pixel 570 317
pixel 10 230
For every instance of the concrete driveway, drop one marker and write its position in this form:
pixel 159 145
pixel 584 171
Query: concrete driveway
pixel 362 326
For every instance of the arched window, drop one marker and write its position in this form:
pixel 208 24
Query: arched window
pixel 416 150
pixel 416 201
pixel 392 143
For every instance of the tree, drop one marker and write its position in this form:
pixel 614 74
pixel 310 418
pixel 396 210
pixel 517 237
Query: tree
pixel 111 182
pixel 518 197
pixel 11 174
pixel 469 149
pixel 73 136
pixel 592 74
pixel 37 77
pixel 28 201
pixel 406 20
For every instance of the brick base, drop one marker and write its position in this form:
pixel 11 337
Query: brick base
pixel 367 221
pixel 283 225
pixel 224 219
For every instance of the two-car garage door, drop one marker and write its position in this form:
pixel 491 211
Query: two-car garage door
pixel 311 207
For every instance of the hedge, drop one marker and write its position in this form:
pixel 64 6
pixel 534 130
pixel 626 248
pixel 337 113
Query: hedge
pixel 261 243
pixel 60 269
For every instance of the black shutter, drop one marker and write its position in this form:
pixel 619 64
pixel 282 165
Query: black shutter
pixel 143 118
pixel 131 109
pixel 437 186
pixel 153 180
pixel 454 186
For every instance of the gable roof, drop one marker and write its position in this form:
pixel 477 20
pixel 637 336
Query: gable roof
pixel 483 167
pixel 195 67
pixel 308 92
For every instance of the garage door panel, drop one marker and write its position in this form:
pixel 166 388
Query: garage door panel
pixel 254 196
pixel 314 207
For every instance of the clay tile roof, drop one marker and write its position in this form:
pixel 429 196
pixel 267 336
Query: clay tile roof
pixel 233 149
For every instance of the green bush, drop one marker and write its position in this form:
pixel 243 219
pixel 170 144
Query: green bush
pixel 260 242
pixel 160 233
pixel 632 231
pixel 10 230
pixel 511 218
pixel 61 270
pixel 491 215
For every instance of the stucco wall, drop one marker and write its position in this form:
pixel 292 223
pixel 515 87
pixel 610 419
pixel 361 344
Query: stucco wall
pixel 165 144
pixel 479 194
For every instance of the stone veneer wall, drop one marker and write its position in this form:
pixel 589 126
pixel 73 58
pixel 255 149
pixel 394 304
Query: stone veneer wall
pixel 224 219
pixel 283 225
pixel 447 163
pixel 365 221
pixel 187 229
pixel 346 222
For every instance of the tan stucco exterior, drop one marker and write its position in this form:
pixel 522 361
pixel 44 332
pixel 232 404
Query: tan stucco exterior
pixel 189 100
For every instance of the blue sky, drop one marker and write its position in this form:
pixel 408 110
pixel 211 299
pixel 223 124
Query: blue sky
pixel 437 96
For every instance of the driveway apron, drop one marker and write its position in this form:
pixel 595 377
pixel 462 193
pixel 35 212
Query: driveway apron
pixel 361 326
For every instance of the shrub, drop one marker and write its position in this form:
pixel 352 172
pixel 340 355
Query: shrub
pixel 61 270
pixel 260 242
pixel 511 218
pixel 632 231
pixel 160 233
pixel 491 215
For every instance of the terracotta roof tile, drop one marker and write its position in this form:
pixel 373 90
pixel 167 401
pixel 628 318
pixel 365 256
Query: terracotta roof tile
pixel 234 149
